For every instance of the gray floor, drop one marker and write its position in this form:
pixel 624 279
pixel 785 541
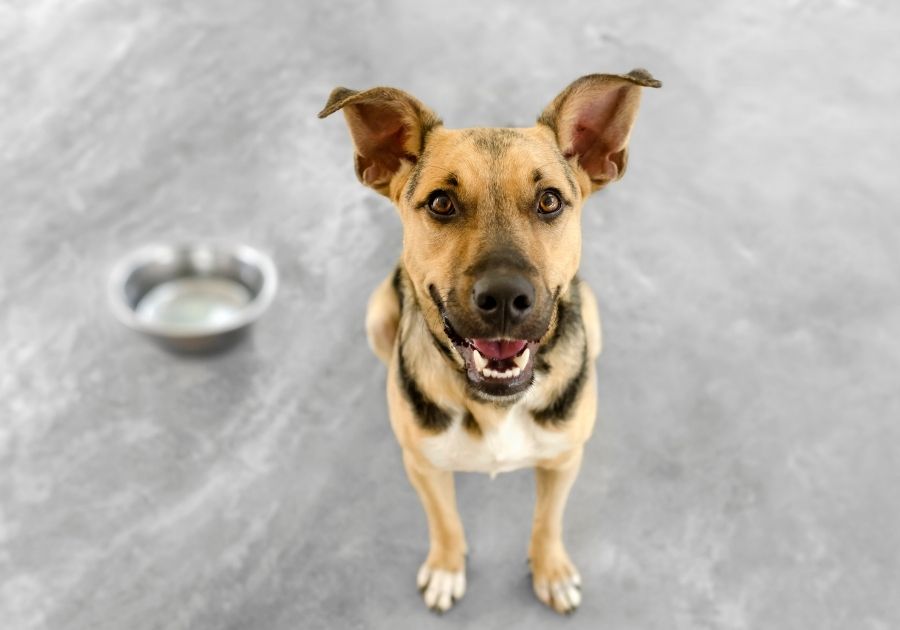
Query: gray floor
pixel 744 474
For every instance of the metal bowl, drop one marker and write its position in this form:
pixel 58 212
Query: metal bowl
pixel 197 297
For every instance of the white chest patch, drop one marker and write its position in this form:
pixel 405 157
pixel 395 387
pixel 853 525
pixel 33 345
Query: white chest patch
pixel 516 442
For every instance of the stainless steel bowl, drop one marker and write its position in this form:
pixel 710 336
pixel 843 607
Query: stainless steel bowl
pixel 197 297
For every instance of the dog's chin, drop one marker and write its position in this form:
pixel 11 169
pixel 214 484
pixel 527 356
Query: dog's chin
pixel 494 378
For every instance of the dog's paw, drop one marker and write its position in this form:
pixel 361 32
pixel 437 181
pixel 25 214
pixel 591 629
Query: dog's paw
pixel 557 583
pixel 441 588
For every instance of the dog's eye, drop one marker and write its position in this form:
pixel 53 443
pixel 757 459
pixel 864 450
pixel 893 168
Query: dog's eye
pixel 441 205
pixel 549 202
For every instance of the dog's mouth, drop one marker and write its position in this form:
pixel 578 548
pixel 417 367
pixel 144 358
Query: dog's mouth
pixel 498 367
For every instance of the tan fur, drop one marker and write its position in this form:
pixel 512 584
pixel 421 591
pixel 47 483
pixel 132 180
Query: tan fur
pixel 382 319
pixel 403 152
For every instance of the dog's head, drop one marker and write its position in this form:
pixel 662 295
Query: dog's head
pixel 492 217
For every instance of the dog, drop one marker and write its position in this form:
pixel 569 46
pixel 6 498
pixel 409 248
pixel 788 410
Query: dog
pixel 489 336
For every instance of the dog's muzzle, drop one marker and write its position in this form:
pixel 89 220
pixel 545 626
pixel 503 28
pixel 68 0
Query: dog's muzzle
pixel 497 365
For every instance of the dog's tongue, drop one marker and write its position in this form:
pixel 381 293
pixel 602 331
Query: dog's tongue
pixel 499 350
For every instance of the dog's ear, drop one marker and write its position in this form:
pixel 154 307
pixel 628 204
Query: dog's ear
pixel 387 126
pixel 592 120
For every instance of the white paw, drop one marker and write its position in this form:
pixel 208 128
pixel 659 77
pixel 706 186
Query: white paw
pixel 440 589
pixel 562 595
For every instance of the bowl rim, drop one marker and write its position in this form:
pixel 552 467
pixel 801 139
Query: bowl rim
pixel 128 264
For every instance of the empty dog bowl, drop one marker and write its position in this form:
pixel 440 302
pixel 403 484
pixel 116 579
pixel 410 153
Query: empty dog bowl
pixel 195 297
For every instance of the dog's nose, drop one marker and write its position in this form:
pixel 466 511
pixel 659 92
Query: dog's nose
pixel 503 299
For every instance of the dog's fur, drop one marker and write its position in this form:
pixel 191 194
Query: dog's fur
pixel 422 322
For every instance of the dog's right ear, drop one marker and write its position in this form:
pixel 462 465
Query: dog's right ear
pixel 387 126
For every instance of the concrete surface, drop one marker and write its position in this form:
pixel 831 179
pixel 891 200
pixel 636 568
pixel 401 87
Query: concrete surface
pixel 745 470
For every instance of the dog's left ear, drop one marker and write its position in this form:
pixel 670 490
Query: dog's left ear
pixel 592 120
pixel 387 126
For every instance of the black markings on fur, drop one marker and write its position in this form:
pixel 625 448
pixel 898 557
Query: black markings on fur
pixel 561 409
pixel 470 424
pixel 413 182
pixel 429 415
pixel 448 329
pixel 397 284
pixel 441 346
pixel 419 162
pixel 336 100
pixel 451 181
pixel 436 298
pixel 568 324
pixel 537 176
pixel 494 142
pixel 426 129
pixel 570 176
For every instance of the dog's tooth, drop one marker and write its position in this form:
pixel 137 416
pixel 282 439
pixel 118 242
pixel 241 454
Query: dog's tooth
pixel 516 371
pixel 480 361
pixel 522 360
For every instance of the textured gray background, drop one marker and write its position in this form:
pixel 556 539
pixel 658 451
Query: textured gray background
pixel 744 473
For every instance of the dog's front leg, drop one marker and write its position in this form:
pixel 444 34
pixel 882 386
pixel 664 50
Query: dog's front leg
pixel 442 578
pixel 555 579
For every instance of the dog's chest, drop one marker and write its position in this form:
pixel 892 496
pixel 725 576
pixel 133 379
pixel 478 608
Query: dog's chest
pixel 515 442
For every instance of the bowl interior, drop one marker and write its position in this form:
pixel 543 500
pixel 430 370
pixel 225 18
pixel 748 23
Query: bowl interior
pixel 194 289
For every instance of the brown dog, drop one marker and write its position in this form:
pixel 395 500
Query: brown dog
pixel 489 336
